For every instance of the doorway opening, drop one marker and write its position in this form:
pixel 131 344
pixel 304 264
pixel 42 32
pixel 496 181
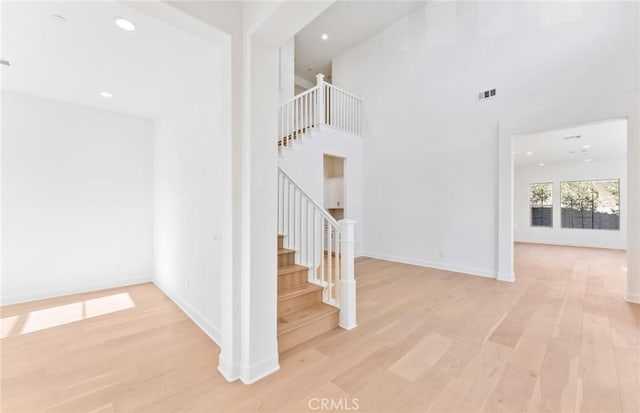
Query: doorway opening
pixel 334 190
pixel 570 198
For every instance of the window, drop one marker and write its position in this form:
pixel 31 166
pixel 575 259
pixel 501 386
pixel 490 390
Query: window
pixel 591 204
pixel 541 204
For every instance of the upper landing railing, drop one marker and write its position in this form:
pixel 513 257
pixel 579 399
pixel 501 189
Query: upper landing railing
pixel 323 104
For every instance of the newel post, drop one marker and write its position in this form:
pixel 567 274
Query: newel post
pixel 348 280
pixel 320 107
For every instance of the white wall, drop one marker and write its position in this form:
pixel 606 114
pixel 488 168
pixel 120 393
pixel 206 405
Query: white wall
pixel 287 70
pixel 305 165
pixel 188 202
pixel 432 147
pixel 556 173
pixel 225 21
pixel 77 198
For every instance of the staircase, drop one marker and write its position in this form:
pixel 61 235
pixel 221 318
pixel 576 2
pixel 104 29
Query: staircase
pixel 316 282
pixel 301 313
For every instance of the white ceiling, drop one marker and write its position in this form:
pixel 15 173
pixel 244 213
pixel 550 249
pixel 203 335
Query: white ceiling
pixel 607 140
pixel 74 61
pixel 347 23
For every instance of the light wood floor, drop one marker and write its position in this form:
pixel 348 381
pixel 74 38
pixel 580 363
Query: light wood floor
pixel 560 339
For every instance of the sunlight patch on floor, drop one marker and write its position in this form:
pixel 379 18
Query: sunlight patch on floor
pixel 69 313
pixel 6 325
pixel 52 317
pixel 107 305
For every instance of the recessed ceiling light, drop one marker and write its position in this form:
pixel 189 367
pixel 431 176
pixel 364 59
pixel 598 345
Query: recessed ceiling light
pixel 587 160
pixel 572 151
pixel 586 146
pixel 540 164
pixel 529 153
pixel 325 36
pixel 106 95
pixel 5 62
pixel 125 24
pixel 59 18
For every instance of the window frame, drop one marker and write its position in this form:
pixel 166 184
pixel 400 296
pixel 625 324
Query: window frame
pixel 619 180
pixel 530 207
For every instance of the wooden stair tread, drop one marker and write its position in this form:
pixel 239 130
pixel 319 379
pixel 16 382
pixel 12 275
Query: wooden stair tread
pixel 297 290
pixel 301 318
pixel 291 268
pixel 301 313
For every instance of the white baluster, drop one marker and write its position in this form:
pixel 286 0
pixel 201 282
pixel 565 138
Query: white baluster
pixel 310 110
pixel 337 111
pixel 300 226
pixel 351 116
pixel 342 117
pixel 308 233
pixel 322 232
pixel 313 108
pixel 338 270
pixel 359 117
pixel 338 101
pixel 279 202
pixel 290 220
pixel 314 267
pixel 344 111
pixel 289 122
pixel 329 259
pixel 347 117
pixel 332 107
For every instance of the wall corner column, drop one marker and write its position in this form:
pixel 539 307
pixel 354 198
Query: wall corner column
pixel 505 271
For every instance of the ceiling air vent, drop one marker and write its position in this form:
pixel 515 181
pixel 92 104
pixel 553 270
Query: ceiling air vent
pixel 487 94
pixel 572 137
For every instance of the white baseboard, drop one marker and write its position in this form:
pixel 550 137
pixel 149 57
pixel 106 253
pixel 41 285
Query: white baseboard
pixel 228 370
pixel 507 277
pixel 260 370
pixel 93 287
pixel 248 375
pixel 231 372
pixel 431 264
pixel 193 314
pixel 632 298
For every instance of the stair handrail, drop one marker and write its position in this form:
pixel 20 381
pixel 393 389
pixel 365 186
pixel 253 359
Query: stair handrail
pixel 299 95
pixel 332 86
pixel 320 209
